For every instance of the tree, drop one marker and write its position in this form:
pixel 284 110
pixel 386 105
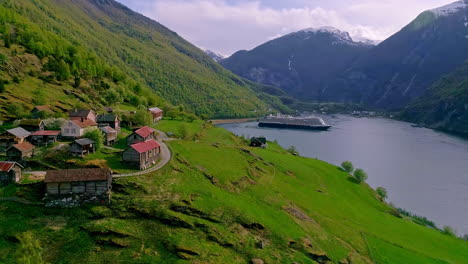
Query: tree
pixel 142 117
pixel 204 117
pixel 465 237
pixel 382 192
pixel 95 135
pixel 447 230
pixel 29 250
pixel 347 166
pixel 360 175
pixel 63 71
pixel 293 151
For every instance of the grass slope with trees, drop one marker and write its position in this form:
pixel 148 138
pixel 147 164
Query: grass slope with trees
pixel 220 201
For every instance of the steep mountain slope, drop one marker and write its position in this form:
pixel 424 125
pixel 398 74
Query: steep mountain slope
pixel 140 49
pixel 216 57
pixel 404 66
pixel 300 63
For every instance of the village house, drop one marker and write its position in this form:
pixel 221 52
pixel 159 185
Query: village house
pixel 70 188
pixel 142 134
pixel 82 147
pixel 143 154
pixel 157 113
pixel 258 142
pixel 20 151
pixel 10 172
pixel 82 115
pixel 109 120
pixel 41 111
pixel 32 125
pixel 110 135
pixel 44 137
pixel 13 136
pixel 76 128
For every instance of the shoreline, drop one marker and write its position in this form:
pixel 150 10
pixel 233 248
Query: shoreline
pixel 232 121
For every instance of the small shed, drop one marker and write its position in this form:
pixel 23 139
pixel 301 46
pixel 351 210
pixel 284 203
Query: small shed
pixel 258 142
pixel 157 113
pixel 142 134
pixel 10 172
pixel 111 120
pixel 44 137
pixel 82 147
pixel 20 151
pixel 13 136
pixel 70 188
pixel 143 154
pixel 32 125
pixel 41 111
pixel 110 135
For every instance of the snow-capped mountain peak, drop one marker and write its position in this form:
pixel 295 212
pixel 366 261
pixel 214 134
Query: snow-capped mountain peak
pixel 450 8
pixel 215 56
pixel 327 29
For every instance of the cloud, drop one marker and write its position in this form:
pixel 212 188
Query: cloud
pixel 226 26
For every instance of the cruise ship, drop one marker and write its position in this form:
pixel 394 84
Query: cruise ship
pixel 283 121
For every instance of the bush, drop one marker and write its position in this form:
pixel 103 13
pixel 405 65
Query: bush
pixel 360 175
pixel 447 230
pixel 347 166
pixel 95 135
pixel 293 151
pixel 29 250
pixel 382 192
pixel 465 237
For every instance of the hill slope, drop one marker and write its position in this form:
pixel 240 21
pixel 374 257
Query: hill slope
pixel 137 48
pixel 219 201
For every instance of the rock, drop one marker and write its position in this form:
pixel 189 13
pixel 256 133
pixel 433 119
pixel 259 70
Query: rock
pixel 255 226
pixel 256 261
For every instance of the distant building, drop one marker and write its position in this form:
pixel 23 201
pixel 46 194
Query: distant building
pixel 13 136
pixel 157 113
pixel 82 115
pixel 76 128
pixel 142 134
pixel 108 109
pixel 258 142
pixel 110 135
pixel 40 111
pixel 44 137
pixel 70 188
pixel 82 147
pixel 10 172
pixel 142 154
pixel 32 125
pixel 111 120
pixel 20 151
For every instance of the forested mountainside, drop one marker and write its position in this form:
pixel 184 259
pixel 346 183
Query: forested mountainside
pixel 301 63
pixel 98 52
pixel 445 105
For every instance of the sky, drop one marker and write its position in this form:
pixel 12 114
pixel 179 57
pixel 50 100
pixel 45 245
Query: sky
pixel 226 26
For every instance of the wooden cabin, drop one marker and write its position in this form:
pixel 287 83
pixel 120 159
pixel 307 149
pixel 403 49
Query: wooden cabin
pixel 10 172
pixel 13 136
pixel 110 135
pixel 41 111
pixel 82 147
pixel 143 134
pixel 110 120
pixel 32 125
pixel 45 137
pixel 76 128
pixel 258 142
pixel 82 115
pixel 157 113
pixel 142 155
pixel 20 151
pixel 70 188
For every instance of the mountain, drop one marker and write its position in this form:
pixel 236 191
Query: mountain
pixel 216 57
pixel 405 65
pixel 99 52
pixel 300 63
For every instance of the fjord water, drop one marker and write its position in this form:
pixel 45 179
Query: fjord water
pixel 424 171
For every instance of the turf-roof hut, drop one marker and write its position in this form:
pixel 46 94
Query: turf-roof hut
pixel 44 137
pixel 142 155
pixel 111 120
pixel 32 125
pixel 82 147
pixel 20 151
pixel 143 134
pixel 69 188
pixel 13 136
pixel 110 135
pixel 41 111
pixel 10 172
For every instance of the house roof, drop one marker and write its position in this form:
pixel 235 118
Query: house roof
pixel 6 166
pixel 145 146
pixel 261 140
pixel 19 132
pixel 46 133
pixel 107 118
pixel 155 110
pixel 79 112
pixel 31 122
pixel 144 131
pixel 84 141
pixel 44 108
pixel 24 146
pixel 85 123
pixel 75 175
pixel 108 130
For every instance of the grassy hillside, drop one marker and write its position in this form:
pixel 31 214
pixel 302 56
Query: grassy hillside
pixel 54 45
pixel 219 201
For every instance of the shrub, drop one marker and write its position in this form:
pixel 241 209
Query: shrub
pixel 293 151
pixel 447 230
pixel 465 237
pixel 29 250
pixel 95 135
pixel 382 192
pixel 347 166
pixel 360 175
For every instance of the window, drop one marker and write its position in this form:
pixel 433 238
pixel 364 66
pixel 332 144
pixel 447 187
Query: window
pixel 134 136
pixel 67 131
pixel 73 130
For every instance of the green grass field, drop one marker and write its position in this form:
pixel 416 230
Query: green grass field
pixel 219 201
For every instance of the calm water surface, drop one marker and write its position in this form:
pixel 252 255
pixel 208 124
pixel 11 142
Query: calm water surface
pixel 423 171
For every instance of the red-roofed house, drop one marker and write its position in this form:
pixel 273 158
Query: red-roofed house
pixel 143 134
pixel 142 154
pixel 10 172
pixel 44 137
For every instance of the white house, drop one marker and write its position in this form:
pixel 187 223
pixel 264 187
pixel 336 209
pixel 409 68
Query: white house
pixel 76 128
